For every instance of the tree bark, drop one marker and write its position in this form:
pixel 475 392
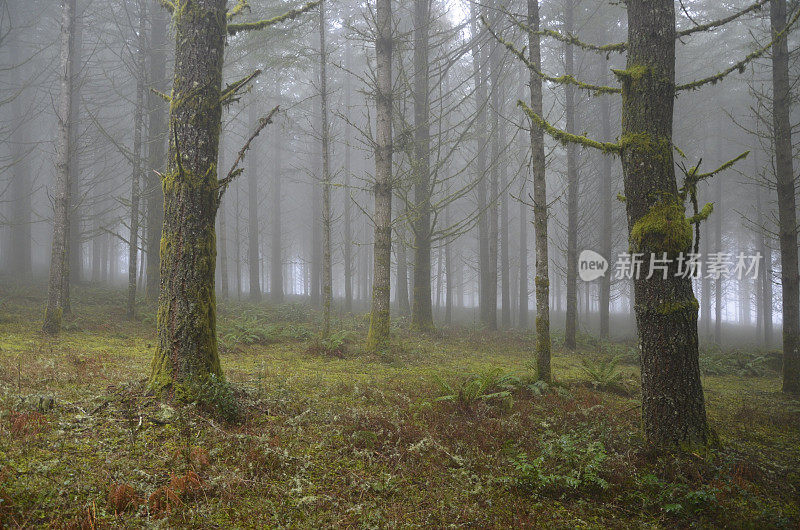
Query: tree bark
pixel 186 349
pixel 59 264
pixel 787 213
pixel 401 281
pixel 542 279
pixel 222 237
pixel 378 336
pixel 673 408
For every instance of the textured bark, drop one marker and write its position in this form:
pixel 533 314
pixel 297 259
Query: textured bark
pixel 378 336
pixel 421 310
pixel 606 219
pixel 253 240
pixel 481 100
pixel 787 213
pixel 59 264
pixel 187 339
pixel 542 279
pixel 673 408
pixel 276 243
pixel 327 273
pixel 156 143
pixel 571 324
pixel 136 176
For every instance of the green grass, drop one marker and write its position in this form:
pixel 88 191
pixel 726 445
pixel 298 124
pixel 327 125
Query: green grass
pixel 356 440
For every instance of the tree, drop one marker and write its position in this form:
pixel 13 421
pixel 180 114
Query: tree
pixel 186 350
pixel 59 256
pixel 542 279
pixel 253 254
pixel 327 266
pixel 421 309
pixel 136 177
pixel 156 142
pixel 571 324
pixel 378 336
pixel 787 214
pixel 673 406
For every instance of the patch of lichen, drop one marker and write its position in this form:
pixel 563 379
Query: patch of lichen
pixel 682 306
pixel 664 228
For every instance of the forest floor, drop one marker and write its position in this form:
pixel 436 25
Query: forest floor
pixel 449 429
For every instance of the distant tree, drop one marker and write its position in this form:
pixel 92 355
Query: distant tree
pixel 59 256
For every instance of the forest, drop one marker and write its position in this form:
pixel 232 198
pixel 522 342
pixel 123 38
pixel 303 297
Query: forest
pixel 399 264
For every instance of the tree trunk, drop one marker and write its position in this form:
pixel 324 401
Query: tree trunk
pixel 59 264
pixel 718 215
pixel 787 213
pixel 138 125
pixel 327 273
pixel 276 242
pixel 673 408
pixel 253 240
pixel 421 310
pixel 378 337
pixel 607 226
pixel 542 279
pixel 403 303
pixel 481 100
pixel 18 254
pixel 496 97
pixel 348 228
pixel 222 237
pixel 571 325
pixel 187 338
pixel 75 245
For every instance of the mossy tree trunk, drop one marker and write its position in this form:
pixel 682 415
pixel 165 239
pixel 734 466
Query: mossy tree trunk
pixel 348 216
pixel 787 213
pixel 59 263
pixel 421 309
pixel 378 336
pixel 187 341
pixel 673 408
pixel 542 279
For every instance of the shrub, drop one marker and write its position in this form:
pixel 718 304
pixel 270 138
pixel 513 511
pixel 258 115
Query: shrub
pixel 490 386
pixel 567 463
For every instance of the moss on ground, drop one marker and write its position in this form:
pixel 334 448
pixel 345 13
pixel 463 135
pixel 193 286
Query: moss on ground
pixel 361 440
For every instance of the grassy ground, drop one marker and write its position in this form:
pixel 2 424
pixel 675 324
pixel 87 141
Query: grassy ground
pixel 447 430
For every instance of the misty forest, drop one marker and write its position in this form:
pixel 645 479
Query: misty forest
pixel 399 263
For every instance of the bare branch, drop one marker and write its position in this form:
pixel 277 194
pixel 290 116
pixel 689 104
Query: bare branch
pixel 233 29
